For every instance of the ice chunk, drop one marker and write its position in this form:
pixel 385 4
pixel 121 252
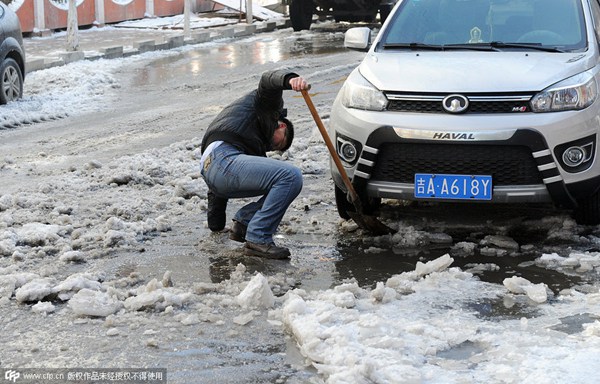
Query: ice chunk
pixel 87 302
pixel 520 285
pixel 256 294
pixel 72 256
pixel 43 307
pixel 35 290
pixel 500 241
pixel 437 265
pixel 245 318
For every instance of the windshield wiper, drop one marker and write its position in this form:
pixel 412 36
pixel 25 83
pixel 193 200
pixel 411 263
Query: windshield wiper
pixel 535 46
pixel 492 46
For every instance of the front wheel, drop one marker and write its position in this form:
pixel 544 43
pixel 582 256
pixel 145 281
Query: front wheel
pixel 301 12
pixel 11 81
pixel 588 210
pixel 342 204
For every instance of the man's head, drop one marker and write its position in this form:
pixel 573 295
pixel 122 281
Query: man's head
pixel 283 135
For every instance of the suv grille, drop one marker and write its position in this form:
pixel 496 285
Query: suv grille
pixel 511 103
pixel 508 165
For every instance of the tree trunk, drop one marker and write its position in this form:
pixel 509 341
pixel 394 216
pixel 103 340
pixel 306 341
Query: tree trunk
pixel 72 27
pixel 186 18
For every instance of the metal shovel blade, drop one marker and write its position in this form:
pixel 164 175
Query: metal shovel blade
pixel 369 223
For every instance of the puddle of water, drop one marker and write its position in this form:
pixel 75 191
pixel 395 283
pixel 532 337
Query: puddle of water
pixel 503 308
pixel 574 324
pixel 206 60
pixel 462 351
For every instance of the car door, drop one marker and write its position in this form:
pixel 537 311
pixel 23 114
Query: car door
pixel 2 35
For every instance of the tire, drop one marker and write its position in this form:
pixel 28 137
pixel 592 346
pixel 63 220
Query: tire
pixel 344 206
pixel 588 210
pixel 11 81
pixel 301 12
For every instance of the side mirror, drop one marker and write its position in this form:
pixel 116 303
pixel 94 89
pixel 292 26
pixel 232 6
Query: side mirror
pixel 358 39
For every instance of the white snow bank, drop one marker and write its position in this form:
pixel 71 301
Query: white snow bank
pixel 424 332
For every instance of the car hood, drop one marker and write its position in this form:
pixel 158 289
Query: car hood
pixel 470 71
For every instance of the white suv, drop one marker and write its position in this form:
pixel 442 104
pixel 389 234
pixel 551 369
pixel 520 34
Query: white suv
pixel 475 100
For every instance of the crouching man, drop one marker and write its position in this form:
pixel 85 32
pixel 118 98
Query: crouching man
pixel 235 164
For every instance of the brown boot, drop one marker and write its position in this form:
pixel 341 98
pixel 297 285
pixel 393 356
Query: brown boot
pixel 268 251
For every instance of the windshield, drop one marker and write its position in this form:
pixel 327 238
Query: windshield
pixel 516 23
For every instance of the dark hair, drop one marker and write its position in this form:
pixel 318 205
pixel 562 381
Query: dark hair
pixel 289 134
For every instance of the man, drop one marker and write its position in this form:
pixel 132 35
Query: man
pixel 235 164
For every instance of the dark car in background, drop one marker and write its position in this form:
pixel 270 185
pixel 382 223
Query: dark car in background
pixel 12 56
pixel 302 11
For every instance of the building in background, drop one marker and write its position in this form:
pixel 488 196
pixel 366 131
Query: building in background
pixel 43 16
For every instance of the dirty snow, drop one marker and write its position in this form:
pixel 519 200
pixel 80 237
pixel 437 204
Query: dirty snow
pixel 421 326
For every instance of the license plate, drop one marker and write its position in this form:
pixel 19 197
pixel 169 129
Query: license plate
pixel 468 187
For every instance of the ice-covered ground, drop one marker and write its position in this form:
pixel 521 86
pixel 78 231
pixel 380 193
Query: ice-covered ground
pixel 430 325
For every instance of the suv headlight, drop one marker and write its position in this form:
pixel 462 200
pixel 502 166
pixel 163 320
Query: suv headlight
pixel 577 92
pixel 358 93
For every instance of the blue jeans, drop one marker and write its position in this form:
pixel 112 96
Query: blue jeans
pixel 233 174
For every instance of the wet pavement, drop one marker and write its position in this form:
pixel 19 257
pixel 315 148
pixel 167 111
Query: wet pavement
pixel 114 41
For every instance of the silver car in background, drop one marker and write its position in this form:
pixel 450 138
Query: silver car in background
pixel 12 56
pixel 474 100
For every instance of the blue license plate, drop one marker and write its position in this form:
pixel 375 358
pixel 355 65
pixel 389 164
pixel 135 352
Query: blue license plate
pixel 469 187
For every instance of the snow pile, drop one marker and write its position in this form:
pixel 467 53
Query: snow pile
pixel 49 94
pixel 61 219
pixel 412 329
pixel 86 295
pixel 576 262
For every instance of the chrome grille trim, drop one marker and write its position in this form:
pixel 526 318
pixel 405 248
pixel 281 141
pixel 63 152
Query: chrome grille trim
pixel 368 163
pixel 546 167
pixel 538 154
pixel 474 98
pixel 554 179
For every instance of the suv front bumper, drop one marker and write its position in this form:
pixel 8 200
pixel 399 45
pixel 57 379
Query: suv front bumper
pixel 518 151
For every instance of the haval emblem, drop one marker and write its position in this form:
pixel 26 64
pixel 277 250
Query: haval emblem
pixel 455 103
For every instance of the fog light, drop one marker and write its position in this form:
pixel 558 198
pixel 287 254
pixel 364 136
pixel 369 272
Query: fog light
pixel 574 156
pixel 348 151
pixel 577 155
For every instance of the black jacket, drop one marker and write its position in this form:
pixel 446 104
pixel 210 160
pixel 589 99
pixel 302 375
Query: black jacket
pixel 249 122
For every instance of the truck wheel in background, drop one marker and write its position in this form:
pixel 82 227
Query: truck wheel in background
pixel 301 12
pixel 384 11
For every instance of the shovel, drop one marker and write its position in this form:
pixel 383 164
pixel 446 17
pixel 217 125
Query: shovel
pixel 364 221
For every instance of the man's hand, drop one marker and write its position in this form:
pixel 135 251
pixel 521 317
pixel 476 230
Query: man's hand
pixel 298 84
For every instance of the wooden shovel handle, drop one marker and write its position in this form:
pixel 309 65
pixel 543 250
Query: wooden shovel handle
pixel 330 146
